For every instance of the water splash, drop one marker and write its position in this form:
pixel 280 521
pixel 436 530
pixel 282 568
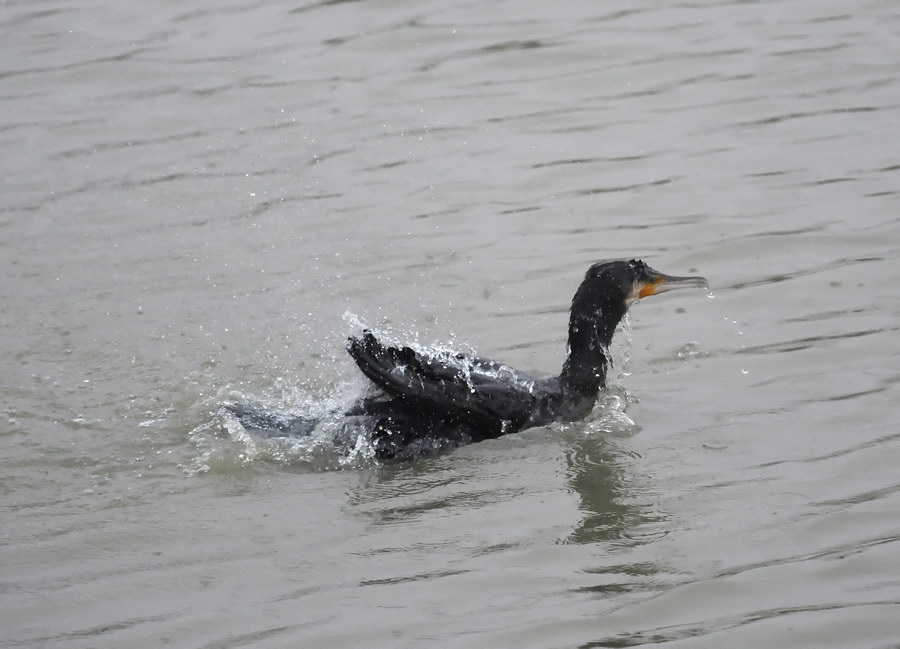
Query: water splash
pixel 609 416
pixel 620 352
pixel 224 445
pixel 688 350
pixel 354 321
pixel 455 353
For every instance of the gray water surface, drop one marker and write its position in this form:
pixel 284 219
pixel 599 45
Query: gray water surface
pixel 201 200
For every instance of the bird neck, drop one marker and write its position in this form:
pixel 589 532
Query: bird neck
pixel 592 323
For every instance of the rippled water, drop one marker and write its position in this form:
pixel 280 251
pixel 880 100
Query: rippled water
pixel 194 194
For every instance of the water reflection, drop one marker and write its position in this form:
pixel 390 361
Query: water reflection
pixel 614 506
pixel 403 492
pixel 599 472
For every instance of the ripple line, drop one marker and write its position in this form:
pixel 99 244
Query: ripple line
pixel 685 631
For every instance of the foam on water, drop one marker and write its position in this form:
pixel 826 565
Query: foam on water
pixel 223 445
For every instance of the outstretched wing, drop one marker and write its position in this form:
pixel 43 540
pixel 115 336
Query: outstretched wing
pixel 462 386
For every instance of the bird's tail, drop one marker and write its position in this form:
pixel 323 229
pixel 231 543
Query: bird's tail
pixel 258 419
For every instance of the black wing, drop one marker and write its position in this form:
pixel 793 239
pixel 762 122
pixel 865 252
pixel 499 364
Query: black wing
pixel 476 389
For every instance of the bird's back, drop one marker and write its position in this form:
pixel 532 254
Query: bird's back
pixel 479 391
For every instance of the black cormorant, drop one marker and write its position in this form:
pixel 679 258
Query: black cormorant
pixel 457 398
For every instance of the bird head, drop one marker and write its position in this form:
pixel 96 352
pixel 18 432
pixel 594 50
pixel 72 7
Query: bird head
pixel 600 303
pixel 629 281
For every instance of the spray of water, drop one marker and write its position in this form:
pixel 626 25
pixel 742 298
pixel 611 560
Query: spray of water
pixel 223 445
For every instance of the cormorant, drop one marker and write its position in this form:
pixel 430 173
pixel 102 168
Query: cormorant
pixel 457 398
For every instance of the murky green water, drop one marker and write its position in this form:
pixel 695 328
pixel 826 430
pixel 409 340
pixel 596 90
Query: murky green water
pixel 195 194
